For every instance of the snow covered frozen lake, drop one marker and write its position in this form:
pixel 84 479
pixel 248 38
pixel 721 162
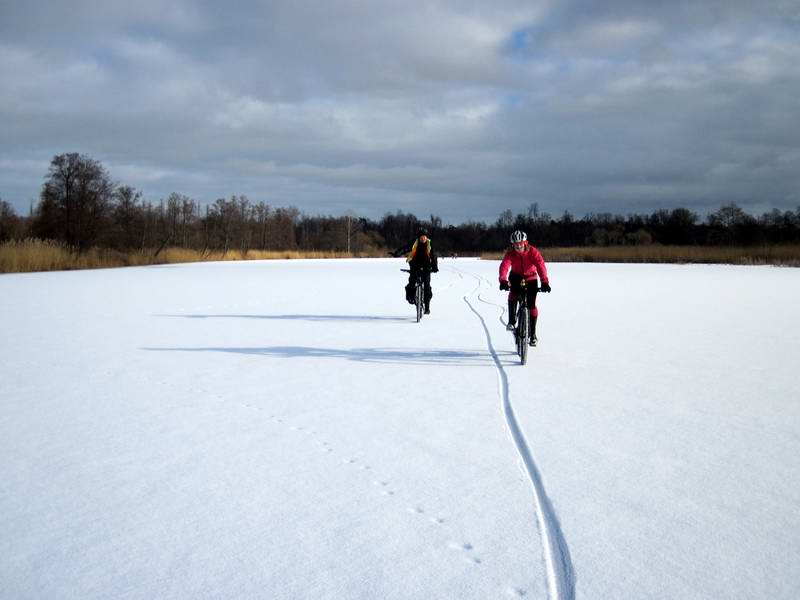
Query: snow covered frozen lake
pixel 286 430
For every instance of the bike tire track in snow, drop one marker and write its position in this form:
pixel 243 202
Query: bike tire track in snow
pixel 558 564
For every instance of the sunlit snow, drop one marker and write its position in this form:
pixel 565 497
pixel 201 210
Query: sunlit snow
pixel 286 430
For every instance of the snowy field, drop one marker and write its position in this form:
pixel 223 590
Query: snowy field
pixel 285 430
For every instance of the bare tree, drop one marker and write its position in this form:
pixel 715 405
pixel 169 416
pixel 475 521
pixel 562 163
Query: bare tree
pixel 188 207
pixel 284 221
pixel 243 219
pixel 10 223
pixel 261 212
pixel 127 216
pixel 729 215
pixel 223 214
pixel 75 199
pixel 352 226
pixel 506 219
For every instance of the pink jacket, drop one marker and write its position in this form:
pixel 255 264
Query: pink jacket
pixel 527 264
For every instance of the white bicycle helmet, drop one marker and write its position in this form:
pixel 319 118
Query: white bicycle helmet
pixel 518 237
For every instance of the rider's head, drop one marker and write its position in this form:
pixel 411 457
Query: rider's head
pixel 519 240
pixel 422 232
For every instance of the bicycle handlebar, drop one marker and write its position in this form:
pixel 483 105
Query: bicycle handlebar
pixel 524 285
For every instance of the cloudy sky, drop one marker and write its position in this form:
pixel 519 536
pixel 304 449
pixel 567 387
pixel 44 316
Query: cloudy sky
pixel 457 108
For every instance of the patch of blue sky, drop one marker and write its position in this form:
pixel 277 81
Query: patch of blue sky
pixel 521 46
pixel 513 100
pixel 518 44
pixel 103 56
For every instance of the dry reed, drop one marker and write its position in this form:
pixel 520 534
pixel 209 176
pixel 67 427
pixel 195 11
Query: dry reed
pixel 44 255
pixel 782 255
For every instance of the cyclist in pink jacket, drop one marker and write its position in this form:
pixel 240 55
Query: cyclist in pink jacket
pixel 523 261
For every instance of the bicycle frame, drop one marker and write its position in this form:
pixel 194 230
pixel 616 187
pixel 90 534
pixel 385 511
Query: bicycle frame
pixel 522 331
pixel 419 292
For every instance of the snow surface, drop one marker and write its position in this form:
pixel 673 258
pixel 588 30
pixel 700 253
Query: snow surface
pixel 286 430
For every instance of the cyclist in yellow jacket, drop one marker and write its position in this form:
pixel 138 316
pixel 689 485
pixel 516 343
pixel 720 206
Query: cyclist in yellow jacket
pixel 421 259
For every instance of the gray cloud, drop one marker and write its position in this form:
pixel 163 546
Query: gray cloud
pixel 444 108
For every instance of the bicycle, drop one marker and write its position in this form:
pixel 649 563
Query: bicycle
pixel 419 291
pixel 522 331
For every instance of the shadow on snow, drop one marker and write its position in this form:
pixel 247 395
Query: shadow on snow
pixel 315 318
pixel 368 355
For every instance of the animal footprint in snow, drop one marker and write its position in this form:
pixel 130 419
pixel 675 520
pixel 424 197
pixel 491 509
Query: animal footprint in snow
pixel 516 592
pixel 466 547
pixel 365 467
pixel 415 510
pixel 382 484
pixel 349 461
pixel 436 520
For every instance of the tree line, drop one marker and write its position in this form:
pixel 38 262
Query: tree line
pixel 82 206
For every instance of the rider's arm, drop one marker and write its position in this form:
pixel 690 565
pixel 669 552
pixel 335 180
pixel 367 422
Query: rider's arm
pixel 505 267
pixel 402 250
pixel 541 269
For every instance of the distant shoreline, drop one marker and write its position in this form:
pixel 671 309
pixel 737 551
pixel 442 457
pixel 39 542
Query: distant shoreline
pixel 30 256
pixel 784 255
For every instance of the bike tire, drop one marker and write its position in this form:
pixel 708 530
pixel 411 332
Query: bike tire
pixel 419 302
pixel 516 333
pixel 523 334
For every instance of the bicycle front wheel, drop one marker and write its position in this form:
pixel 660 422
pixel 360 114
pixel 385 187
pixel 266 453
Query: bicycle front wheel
pixel 522 336
pixel 419 302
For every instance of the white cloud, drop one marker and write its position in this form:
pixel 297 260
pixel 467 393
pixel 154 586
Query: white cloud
pixel 614 34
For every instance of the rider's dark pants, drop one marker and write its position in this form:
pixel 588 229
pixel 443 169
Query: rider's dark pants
pixel 531 289
pixel 426 279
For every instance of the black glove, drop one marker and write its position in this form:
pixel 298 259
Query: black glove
pixel 545 287
pixel 504 285
pixel 435 269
